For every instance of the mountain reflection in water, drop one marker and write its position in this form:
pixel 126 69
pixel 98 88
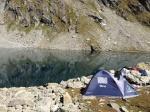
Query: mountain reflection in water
pixel 35 67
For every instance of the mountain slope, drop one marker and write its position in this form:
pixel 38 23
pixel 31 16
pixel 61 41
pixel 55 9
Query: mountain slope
pixel 76 24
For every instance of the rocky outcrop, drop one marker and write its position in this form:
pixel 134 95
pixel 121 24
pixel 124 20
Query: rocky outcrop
pixel 128 9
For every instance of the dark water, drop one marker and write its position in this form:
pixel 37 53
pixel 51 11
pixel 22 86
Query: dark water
pixel 34 67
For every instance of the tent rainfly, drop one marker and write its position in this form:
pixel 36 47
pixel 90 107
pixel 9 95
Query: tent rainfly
pixel 105 84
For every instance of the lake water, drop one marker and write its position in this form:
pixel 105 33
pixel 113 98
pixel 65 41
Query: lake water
pixel 35 67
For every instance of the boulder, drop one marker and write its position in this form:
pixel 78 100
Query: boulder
pixel 78 84
pixel 2 5
pixel 85 80
pixel 144 66
pixel 109 3
pixel 3 108
pixel 123 109
pixel 67 99
pixel 147 4
pixel 137 8
pixel 63 83
pixel 15 102
pixel 45 104
pixel 54 108
pixel 23 94
pixel 88 97
pixel 145 80
pixel 115 106
pixel 70 108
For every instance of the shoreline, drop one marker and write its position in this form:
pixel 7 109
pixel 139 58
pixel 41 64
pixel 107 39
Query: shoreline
pixel 54 97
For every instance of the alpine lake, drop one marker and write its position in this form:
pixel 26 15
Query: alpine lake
pixel 36 67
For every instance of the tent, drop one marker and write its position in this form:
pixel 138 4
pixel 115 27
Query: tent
pixel 105 84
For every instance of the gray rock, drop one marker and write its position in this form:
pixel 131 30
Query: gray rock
pixel 3 108
pixel 146 4
pixel 123 109
pixel 15 102
pixel 44 104
pixel 137 8
pixel 2 5
pixel 109 3
pixel 115 106
pixel 63 83
pixel 85 80
pixel 54 108
pixel 70 108
pixel 88 97
pixel 78 84
pixel 67 99
pixel 24 94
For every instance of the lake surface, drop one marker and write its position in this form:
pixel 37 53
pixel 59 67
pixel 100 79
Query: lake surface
pixel 35 67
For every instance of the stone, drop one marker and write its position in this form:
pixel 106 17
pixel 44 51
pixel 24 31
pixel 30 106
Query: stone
pixel 67 99
pixel 78 84
pixel 109 3
pixel 147 4
pixel 115 106
pixel 3 108
pixel 15 102
pixel 144 66
pixel 70 108
pixel 123 109
pixel 44 104
pixel 54 108
pixel 88 97
pixel 145 80
pixel 11 109
pixel 112 71
pixel 63 83
pixel 85 80
pixel 24 94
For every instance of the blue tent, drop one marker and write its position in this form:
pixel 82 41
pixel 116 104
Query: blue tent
pixel 105 84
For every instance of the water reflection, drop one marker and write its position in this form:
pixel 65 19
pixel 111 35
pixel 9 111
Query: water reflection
pixel 34 67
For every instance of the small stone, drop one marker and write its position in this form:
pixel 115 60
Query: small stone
pixel 88 39
pixel 124 109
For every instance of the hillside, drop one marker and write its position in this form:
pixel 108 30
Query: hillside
pixel 103 25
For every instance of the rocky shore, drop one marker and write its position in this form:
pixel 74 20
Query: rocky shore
pixel 67 97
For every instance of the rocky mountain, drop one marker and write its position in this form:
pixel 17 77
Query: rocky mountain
pixel 103 25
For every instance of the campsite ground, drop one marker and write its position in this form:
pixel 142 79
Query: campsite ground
pixel 55 97
pixel 137 104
